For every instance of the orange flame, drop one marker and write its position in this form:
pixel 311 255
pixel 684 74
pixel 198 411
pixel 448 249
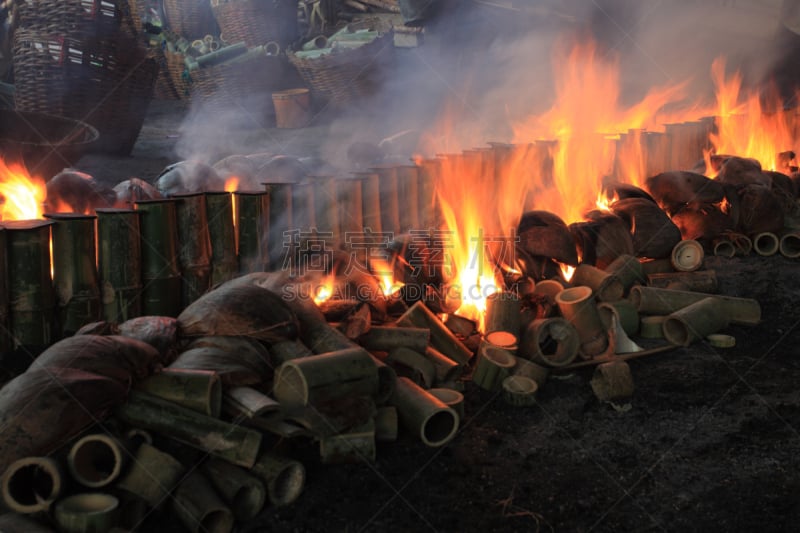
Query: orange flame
pixel 384 272
pixel 22 196
pixel 567 271
pixel 324 291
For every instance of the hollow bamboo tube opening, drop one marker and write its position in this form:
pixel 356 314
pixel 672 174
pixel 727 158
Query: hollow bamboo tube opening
pixel 424 414
pixel 724 248
pixel 790 245
pixel 551 341
pixel 95 460
pixel 766 244
pixel 285 477
pixel 31 484
pixel 607 287
pixel 86 513
pixel 695 322
pixel 578 307
pixel 199 507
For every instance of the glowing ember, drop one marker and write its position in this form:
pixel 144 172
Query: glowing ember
pixel 567 271
pixel 22 196
pixel 383 271
pixel 324 291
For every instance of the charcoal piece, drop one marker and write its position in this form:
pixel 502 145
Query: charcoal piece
pixel 652 232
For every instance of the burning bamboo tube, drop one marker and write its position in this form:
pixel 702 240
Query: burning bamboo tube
pixel 502 313
pixel 446 368
pixel 280 352
pixel 625 312
pixel 698 281
pixel 606 287
pixel 423 414
pixel 280 220
pixel 627 269
pixel 386 424
pixel 30 289
pixel 551 341
pixel 494 364
pixel 324 377
pixel 119 258
pixel 612 381
pixel 370 200
pixel 502 339
pixel 355 446
pixel 244 492
pixel 695 321
pixel 198 506
pixel 408 197
pixel 350 204
pixel 31 484
pixel 389 198
pixel 651 301
pixel 423 370
pixel 418 315
pixel 194 246
pixel 658 153
pixel 766 244
pixel 152 475
pixel 790 244
pixel 161 275
pixel 452 399
pixel 303 212
pixel 519 391
pixel 232 443
pixel 577 305
pixel 198 390
pixel 427 207
pixel 686 143
pixel 96 460
pixel 222 235
pixel 87 513
pixel 529 369
pixel 252 230
pixel 285 478
pixel 326 208
pixel 75 271
pixel 385 338
pixel 6 342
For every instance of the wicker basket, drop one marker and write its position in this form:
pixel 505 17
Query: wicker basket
pixel 192 19
pixel 107 83
pixel 178 75
pixel 257 22
pixel 89 18
pixel 347 74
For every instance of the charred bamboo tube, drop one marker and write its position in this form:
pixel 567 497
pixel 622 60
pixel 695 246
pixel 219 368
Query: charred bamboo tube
pixel 352 447
pixel 198 390
pixel 387 381
pixel 6 342
pixel 519 391
pixel 161 275
pixel 651 301
pixel 418 363
pixel 303 212
pixel 494 364
pixel 408 197
pixel 687 256
pixel 446 368
pixel 350 205
pixel 606 287
pixel 243 492
pixel 247 402
pixel 551 341
pixel 627 269
pixel 386 424
pixel 324 377
pixel 280 221
pixel 724 248
pixel 427 207
pixel 695 322
pixel 612 381
pixel 232 443
pixel 698 281
pixel 626 313
pixel 549 288
pixel 389 198
pixel 152 475
pixel 326 208
pixel 119 259
pixel 766 244
pixel 418 315
pixel 17 523
pixel 461 325
pixel 370 200
pixel 31 484
pixel 96 460
pixel 222 236
pixel 199 508
pixel 503 339
pixel 451 398
pixel 87 513
pixel 423 414
pixel 280 352
pixel 657 266
pixel 386 338
pixel 529 369
pixel 577 305
pixel 790 245
pixel 502 313
pixel 284 477
pixel 252 230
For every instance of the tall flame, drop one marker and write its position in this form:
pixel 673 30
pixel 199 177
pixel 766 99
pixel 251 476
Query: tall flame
pixel 385 274
pixel 22 196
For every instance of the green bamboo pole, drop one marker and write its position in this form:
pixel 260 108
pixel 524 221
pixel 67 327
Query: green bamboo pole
pixel 280 220
pixel 252 227
pixel 119 258
pixel 222 234
pixel 194 246
pixel 429 172
pixel 651 301
pixel 326 208
pixel 161 275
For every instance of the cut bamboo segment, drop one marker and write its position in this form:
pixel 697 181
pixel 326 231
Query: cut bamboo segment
pixel 285 478
pixel 577 305
pixel 460 325
pixel 695 322
pixel 627 269
pixel 605 286
pixel 198 390
pixel 519 391
pixel 17 523
pixel 446 368
pixel 244 493
pixel 612 381
pixel 418 315
pixel 386 424
pixel 651 301
pixel 625 312
pixel 687 256
pixel 389 202
pixel 724 248
pixel 502 339
pixel 353 447
pixel 87 513
pixel 423 414
pixel 417 362
pixel 652 327
pixel 494 364
pixel 319 378
pixel 790 244
pixel 135 437
pixel 766 244
pixel 96 460
pixel 199 508
pixel 386 338
pixel 152 475
pixel 549 288
pixel 451 398
pixel 387 380
pixel 232 443
pixel 31 484
pixel 288 350
pixel 408 197
pixel 551 341
pixel 222 235
pixel 371 201
pixel 698 281
pixel 502 313
pixel 247 402
pixel 529 369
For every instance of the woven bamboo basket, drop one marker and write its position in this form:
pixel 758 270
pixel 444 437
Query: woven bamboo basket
pixel 257 22
pixel 107 83
pixel 89 18
pixel 178 75
pixel 192 19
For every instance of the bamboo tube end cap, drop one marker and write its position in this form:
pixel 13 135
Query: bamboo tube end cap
pixel 520 391
pixel 31 484
pixel 718 340
pixel 87 512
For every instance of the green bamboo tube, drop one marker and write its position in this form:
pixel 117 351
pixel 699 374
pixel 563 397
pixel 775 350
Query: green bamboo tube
pixel 502 339
pixel 152 475
pixel 386 424
pixel 6 342
pixel 351 205
pixel 252 228
pixel 385 338
pixel 578 307
pixel 244 493
pixel 529 369
pixel 280 221
pixel 421 366
pixel 627 269
pixel 429 172
pixel 222 236
pixel 626 313
pixel 423 414
pixel 30 289
pixel 246 402
pixel 519 391
pixel 553 342
pixel 199 508
pixel 355 446
pixel 687 255
pixel 198 390
pixel 17 523
pixel 370 200
pixel 724 248
pixel 319 378
pixel 119 258
pixel 652 327
pixel 494 364
pixel 766 243
pixel 280 352
pixel 96 460
pixel 387 381
pixel 697 281
pixel 446 368
pixel 408 197
pixel 194 246
pixel 657 266
pixel 326 205
pixel 612 381
pixel 31 484
pixel 232 443
pixel 695 322
pixel 389 198
pixel 451 398
pixel 503 313
pixel 161 275
pixel 87 513
pixel 606 287
pixel 284 477
pixel 790 244
pixel 418 315
pixel 651 301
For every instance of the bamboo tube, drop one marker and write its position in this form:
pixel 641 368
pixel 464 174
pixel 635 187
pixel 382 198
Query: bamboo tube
pixel 284 477
pixel 577 305
pixel 766 244
pixel 651 301
pixel 627 269
pixel 326 208
pixel 135 437
pixel 6 343
pixel 428 206
pixel 352 447
pixel 502 313
pixel 612 381
pixel 418 315
pixel 503 339
pixel 194 246
pixel 387 381
pixel 252 230
pixel 493 365
pixel 283 351
pixel 451 398
pixel 652 327
pixel 529 369
pixel 235 444
pixel 548 288
pixel 31 484
pixel 87 513
pixel 790 244
pixel 408 197
pixel 687 255
pixel 386 424
pixel 656 266
pixel 280 221
pixel 551 341
pixel 724 248
pixel 161 275
pixel 320 41
pixel 519 391
pixel 625 312
pixel 605 286
pixel 222 236
pixel 423 414
pixel 247 402
pixel 17 523
pixel 199 508
pixel 350 204
pixel 241 490
pixel 461 325
pixel 385 338
pixel 698 281
pixel 446 368
pixel 119 258
pixel 324 377
pixel 695 322
pixel 389 198
pixel 370 201
pixel 198 390
pixel 96 460
pixel 223 54
pixel 418 363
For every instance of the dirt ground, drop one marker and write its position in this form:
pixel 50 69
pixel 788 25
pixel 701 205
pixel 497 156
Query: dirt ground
pixel 710 441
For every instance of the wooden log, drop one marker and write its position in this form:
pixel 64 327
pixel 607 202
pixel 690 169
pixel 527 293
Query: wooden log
pixel 247 402
pixel 387 338
pixel 152 475
pixel 96 460
pixel 198 390
pixel 31 484
pixel 423 414
pixel 244 493
pixel 652 301
pixel 199 508
pixel 284 477
pixel 699 280
pixel 418 315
